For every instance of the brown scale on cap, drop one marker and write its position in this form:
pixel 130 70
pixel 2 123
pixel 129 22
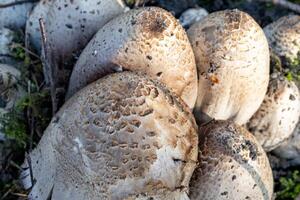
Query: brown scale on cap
pixel 278 115
pixel 232 165
pixel 149 40
pixel 120 137
pixel 232 58
pixel 284 37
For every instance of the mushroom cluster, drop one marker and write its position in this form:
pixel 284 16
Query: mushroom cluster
pixel 139 80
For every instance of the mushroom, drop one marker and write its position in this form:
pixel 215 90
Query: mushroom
pixel 232 165
pixel 191 16
pixel 70 24
pixel 148 40
pixel 232 58
pixel 290 149
pixel 124 136
pixel 13 13
pixel 278 115
pixel 284 38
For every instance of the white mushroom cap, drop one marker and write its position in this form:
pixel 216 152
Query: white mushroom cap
pixel 70 24
pixel 191 16
pixel 122 137
pixel 14 17
pixel 284 37
pixel 232 57
pixel 278 115
pixel 232 165
pixel 290 149
pixel 149 40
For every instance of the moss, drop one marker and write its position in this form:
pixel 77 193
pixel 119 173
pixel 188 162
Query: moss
pixel 289 186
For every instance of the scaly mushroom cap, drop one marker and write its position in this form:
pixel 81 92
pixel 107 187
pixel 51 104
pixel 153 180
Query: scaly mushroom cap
pixel 284 37
pixel 232 58
pixel 71 24
pixel 232 165
pixel 290 149
pixel 278 115
pixel 121 137
pixel 14 17
pixel 149 40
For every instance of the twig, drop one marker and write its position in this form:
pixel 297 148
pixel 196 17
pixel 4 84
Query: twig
pixel 25 49
pixel 30 168
pixel 16 3
pixel 285 4
pixel 48 66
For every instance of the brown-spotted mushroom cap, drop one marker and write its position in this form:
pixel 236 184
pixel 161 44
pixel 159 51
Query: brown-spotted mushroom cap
pixel 232 58
pixel 71 24
pixel 149 40
pixel 290 149
pixel 14 16
pixel 284 37
pixel 278 115
pixel 122 137
pixel 232 165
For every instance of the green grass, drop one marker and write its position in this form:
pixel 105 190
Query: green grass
pixel 289 187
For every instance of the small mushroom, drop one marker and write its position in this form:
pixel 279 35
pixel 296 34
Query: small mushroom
pixel 232 165
pixel 191 16
pixel 290 149
pixel 70 24
pixel 284 37
pixel 232 57
pixel 278 115
pixel 122 137
pixel 14 14
pixel 148 40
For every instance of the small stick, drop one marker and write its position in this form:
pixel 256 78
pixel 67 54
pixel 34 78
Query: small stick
pixel 285 4
pixel 17 3
pixel 30 168
pixel 48 65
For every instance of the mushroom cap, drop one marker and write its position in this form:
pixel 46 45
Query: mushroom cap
pixel 71 24
pixel 14 17
pixel 284 37
pixel 232 58
pixel 290 149
pixel 148 40
pixel 278 115
pixel 232 165
pixel 118 138
pixel 191 16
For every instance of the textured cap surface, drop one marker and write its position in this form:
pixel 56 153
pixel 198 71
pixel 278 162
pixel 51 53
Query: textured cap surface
pixel 121 137
pixel 149 40
pixel 232 165
pixel 232 57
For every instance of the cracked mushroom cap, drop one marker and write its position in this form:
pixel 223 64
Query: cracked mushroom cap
pixel 122 137
pixel 290 149
pixel 14 16
pixel 284 37
pixel 278 115
pixel 232 165
pixel 232 57
pixel 148 40
pixel 70 24
pixel 6 39
pixel 191 16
